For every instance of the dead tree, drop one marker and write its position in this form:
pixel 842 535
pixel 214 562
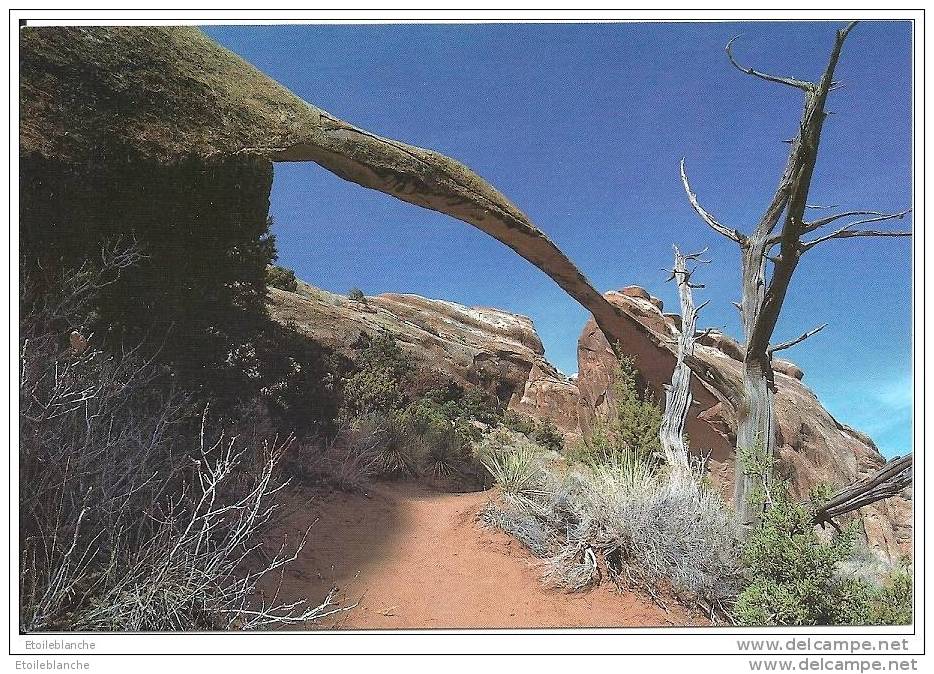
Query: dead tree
pixel 770 254
pixel 886 482
pixel 678 396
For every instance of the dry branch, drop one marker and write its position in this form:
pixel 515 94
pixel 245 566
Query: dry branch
pixel 704 214
pixel 888 481
pixel 797 340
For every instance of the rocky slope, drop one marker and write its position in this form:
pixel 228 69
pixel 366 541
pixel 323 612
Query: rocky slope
pixel 502 351
pixel 471 345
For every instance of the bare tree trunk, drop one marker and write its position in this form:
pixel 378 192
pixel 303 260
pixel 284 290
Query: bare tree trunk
pixel 678 396
pixel 763 293
pixel 755 433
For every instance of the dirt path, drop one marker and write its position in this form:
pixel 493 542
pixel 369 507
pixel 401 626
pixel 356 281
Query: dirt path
pixel 416 558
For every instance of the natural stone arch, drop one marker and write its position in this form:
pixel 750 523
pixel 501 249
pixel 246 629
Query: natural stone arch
pixel 167 93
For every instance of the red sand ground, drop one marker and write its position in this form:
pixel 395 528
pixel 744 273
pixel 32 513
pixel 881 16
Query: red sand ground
pixel 412 557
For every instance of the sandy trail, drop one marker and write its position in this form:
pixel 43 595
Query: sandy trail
pixel 412 557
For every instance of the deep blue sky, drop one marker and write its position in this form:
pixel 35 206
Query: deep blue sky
pixel 582 126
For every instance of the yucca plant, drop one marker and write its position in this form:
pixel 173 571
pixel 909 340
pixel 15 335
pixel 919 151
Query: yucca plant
pixel 517 470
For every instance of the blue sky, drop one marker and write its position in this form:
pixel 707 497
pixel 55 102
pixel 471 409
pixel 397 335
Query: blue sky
pixel 582 126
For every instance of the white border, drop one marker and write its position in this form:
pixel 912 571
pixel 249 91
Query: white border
pixel 662 641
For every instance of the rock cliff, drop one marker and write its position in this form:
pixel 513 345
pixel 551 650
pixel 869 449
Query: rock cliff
pixel 475 346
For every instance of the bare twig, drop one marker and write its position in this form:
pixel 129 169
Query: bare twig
pixel 797 340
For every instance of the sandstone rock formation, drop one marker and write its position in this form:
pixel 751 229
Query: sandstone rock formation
pixel 813 446
pixel 473 346
pixel 502 351
pixel 102 102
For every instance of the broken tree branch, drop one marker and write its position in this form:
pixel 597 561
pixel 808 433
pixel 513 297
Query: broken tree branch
pixel 848 232
pixel 797 340
pixel 790 81
pixel 817 224
pixel 704 214
pixel 888 481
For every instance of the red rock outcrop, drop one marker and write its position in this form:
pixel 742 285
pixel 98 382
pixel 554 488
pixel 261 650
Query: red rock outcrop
pixel 502 352
pixel 475 346
pixel 813 446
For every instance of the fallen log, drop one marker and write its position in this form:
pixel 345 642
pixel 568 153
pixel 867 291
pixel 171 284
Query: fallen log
pixel 888 481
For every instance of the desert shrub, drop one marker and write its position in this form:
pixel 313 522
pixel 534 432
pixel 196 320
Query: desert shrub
pixel 447 455
pixel 514 463
pixel 799 576
pixel 348 460
pixel 542 432
pixel 134 513
pixel 519 423
pixel 464 406
pixel 791 568
pixel 477 404
pixel 401 451
pixel 281 277
pixel 356 295
pixel 378 385
pixel 547 435
pixel 632 425
pixel 891 604
pixel 623 520
pixel 298 380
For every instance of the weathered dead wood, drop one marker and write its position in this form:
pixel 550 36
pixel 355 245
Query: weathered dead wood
pixel 890 480
pixel 678 395
pixel 763 288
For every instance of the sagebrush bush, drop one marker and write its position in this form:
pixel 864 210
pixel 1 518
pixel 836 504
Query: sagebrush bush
pixel 134 513
pixel 356 295
pixel 621 518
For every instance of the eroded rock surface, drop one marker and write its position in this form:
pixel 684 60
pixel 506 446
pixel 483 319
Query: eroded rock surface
pixel 475 346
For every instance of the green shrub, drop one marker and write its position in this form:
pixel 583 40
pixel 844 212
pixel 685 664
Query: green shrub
pixel 632 426
pixel 281 277
pixel 378 385
pixel 547 435
pixel 799 577
pixel 889 602
pixel 370 392
pixel 791 569
pixel 356 295
pixel 520 423
pixel 514 464
pixel 892 604
pixel 542 432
